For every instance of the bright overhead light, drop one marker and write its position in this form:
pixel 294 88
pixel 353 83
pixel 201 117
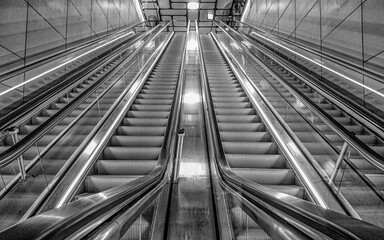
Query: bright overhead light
pixel 192 44
pixel 193 5
pixel 210 16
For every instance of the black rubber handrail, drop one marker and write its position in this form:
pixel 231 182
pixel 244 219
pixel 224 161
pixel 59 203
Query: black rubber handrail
pixel 301 212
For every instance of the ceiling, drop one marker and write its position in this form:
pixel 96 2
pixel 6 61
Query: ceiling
pixel 166 10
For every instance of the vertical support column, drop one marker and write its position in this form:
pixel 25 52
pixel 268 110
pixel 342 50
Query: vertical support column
pixel 179 151
pixel 13 131
pixel 339 161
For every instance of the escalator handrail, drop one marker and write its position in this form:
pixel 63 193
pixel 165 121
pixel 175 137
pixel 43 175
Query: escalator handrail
pixel 11 154
pixel 302 212
pixel 66 220
pixel 365 151
pixel 65 52
pixel 345 63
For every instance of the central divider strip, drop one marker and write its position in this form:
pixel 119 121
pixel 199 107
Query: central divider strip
pixel 191 208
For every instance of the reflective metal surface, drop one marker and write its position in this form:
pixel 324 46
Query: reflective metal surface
pixel 191 209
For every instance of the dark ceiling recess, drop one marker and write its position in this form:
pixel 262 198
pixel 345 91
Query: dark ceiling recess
pixel 166 10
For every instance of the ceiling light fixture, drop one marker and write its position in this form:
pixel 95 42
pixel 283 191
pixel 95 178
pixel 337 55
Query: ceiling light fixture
pixel 193 5
pixel 210 15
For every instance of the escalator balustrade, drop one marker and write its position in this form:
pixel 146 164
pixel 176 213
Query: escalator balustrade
pixel 249 147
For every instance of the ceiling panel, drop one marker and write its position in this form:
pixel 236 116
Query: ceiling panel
pixel 224 4
pixel 180 18
pixel 173 12
pixel 179 24
pixel 167 18
pixel 207 5
pixel 179 5
pixel 203 15
pixel 193 15
pixel 164 4
pixel 205 24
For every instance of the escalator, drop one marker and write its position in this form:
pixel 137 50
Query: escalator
pixel 234 123
pixel 249 147
pixel 134 149
pixel 359 182
pixel 54 150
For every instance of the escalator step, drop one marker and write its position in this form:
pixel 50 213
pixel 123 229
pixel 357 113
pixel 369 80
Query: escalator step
pixel 144 122
pixel 148 114
pixel 255 160
pixel 235 111
pixel 99 183
pixel 236 119
pixel 267 176
pixel 136 141
pixel 147 107
pixel 232 136
pixel 142 131
pixel 243 127
pixel 132 153
pixel 124 167
pixel 250 147
pixel 232 104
